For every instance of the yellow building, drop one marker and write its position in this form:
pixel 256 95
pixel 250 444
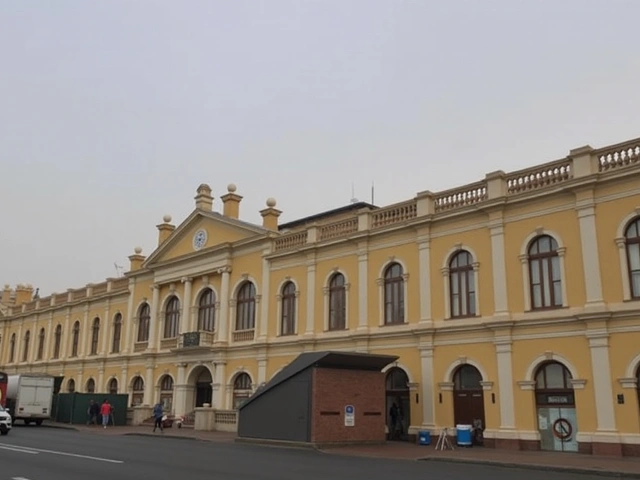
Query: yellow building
pixel 514 301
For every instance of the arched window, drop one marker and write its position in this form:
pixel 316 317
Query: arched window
pixel 467 377
pixel 166 393
pixel 25 351
pixel 91 386
pixel 632 240
pixel 75 339
pixel 40 353
pixel 117 333
pixel 544 273
pixel 71 385
pixel 246 307
pixel 393 295
pixel 172 318
pixel 12 348
pixel 137 391
pixel 288 309
pixel 337 302
pixel 462 285
pixel 397 380
pixel 241 389
pixel 553 376
pixel 207 311
pixel 144 322
pixel 57 341
pixel 95 336
pixel 113 386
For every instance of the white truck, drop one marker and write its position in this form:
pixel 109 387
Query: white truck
pixel 29 397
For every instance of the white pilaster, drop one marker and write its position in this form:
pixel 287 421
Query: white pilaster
pixel 49 337
pixel 264 302
pixel 311 296
pixel 602 387
pixel 223 322
pixel 85 332
pixel 220 379
pixel 105 330
pixel 424 260
pixel 148 386
pixel 153 327
pixel 185 317
pixel 180 400
pixel 67 334
pixel 590 257
pixel 100 387
pixel 363 283
pixel 505 381
pixel 499 270
pixel 124 382
pixel 128 322
pixel 262 370
pixel 428 404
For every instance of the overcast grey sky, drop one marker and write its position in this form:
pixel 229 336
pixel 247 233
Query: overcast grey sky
pixel 113 112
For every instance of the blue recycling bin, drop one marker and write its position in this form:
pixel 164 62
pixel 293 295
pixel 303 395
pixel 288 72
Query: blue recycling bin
pixel 424 437
pixel 463 435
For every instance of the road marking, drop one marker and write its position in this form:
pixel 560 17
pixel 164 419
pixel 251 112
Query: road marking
pixel 19 450
pixel 35 451
pixel 19 478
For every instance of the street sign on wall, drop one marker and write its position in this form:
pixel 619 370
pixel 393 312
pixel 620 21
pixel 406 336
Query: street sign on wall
pixel 349 416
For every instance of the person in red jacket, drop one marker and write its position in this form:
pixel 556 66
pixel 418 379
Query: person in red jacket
pixel 105 411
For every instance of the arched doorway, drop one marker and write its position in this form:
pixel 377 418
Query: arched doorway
pixel 201 380
pixel 556 408
pixel 398 404
pixel 468 397
pixel 137 391
pixel 241 389
pixel 166 393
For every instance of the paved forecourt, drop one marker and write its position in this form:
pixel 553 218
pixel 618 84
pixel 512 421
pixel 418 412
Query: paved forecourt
pixel 53 454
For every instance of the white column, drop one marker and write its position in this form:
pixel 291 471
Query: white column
pixel 67 335
pixel 49 337
pixel 311 296
pixel 499 270
pixel 129 322
pixel 185 317
pixel 220 371
pixel 100 387
pixel 34 342
pixel 505 383
pixel 105 329
pixel 153 327
pixel 223 321
pixel 180 392
pixel 149 386
pixel 599 348
pixel 85 331
pixel 363 283
pixel 264 303
pixel 590 257
pixel 426 368
pixel 424 265
pixel 124 382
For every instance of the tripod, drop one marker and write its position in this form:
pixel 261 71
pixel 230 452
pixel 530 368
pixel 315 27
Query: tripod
pixel 443 440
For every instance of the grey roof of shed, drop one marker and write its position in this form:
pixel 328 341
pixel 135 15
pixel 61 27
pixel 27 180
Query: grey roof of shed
pixel 327 359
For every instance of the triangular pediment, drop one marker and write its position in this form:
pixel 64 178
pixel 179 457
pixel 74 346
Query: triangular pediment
pixel 201 231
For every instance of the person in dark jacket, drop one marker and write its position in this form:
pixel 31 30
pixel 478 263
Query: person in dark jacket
pixel 157 415
pixel 92 413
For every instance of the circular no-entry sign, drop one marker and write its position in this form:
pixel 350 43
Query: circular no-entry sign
pixel 562 429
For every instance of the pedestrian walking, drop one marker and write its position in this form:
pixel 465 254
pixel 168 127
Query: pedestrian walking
pixel 105 411
pixel 157 415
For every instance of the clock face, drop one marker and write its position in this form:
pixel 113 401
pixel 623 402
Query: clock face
pixel 199 239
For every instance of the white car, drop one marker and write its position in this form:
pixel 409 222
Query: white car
pixel 5 421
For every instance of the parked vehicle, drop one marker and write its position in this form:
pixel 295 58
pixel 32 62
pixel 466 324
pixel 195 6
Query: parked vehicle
pixel 29 397
pixel 3 389
pixel 5 421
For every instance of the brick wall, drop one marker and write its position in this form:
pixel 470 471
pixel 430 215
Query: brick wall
pixel 335 388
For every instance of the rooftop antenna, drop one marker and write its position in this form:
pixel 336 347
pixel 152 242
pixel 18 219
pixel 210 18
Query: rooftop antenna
pixel 353 194
pixel 372 193
pixel 118 269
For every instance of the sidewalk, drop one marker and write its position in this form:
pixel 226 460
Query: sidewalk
pixel 627 467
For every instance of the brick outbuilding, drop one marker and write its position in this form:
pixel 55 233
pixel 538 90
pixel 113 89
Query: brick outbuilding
pixel 320 398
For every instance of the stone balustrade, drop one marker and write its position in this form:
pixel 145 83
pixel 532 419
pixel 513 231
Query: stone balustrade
pixel 580 163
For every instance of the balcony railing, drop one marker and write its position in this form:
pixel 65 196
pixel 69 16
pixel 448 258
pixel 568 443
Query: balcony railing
pixel 196 339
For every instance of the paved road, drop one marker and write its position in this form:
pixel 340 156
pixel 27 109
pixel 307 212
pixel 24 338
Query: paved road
pixel 51 454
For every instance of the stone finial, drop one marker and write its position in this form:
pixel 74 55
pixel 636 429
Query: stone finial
pixel 138 250
pixel 231 202
pixel 231 188
pixel 270 215
pixel 271 202
pixel 166 218
pixel 203 198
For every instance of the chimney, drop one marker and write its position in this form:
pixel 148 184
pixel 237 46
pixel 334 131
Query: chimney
pixel 165 229
pixel 136 259
pixel 203 198
pixel 231 202
pixel 270 215
pixel 24 294
pixel 6 295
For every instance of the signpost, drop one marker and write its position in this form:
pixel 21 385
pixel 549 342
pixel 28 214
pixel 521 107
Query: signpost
pixel 349 416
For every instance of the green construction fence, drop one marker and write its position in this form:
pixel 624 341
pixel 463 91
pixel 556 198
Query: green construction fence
pixel 73 407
